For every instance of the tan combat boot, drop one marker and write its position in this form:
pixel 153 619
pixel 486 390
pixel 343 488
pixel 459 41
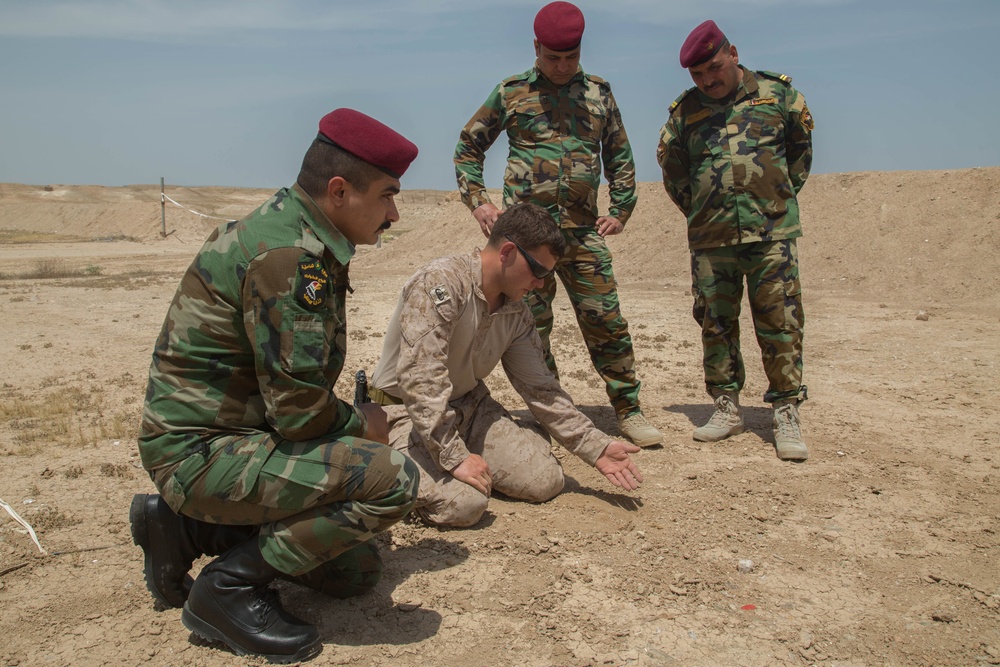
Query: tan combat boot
pixel 788 432
pixel 724 422
pixel 642 434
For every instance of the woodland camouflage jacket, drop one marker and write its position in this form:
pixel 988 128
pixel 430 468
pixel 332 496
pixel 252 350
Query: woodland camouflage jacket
pixel 255 337
pixel 734 167
pixel 559 138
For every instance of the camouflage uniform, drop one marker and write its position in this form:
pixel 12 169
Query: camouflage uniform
pixel 240 424
pixel 559 138
pixel 734 168
pixel 441 343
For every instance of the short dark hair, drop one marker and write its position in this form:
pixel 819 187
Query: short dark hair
pixel 530 226
pixel 324 161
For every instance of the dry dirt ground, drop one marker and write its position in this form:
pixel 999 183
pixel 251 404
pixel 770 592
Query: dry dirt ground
pixel 881 549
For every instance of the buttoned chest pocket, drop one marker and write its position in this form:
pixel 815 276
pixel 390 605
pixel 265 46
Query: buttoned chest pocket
pixel 707 138
pixel 314 340
pixel 765 128
pixel 533 119
pixel 589 120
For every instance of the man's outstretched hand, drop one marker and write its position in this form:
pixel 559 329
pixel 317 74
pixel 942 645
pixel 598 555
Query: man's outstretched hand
pixel 618 467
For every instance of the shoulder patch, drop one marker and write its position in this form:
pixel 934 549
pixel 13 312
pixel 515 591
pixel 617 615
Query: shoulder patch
pixel 784 78
pixel 313 283
pixel 439 294
pixel 806 118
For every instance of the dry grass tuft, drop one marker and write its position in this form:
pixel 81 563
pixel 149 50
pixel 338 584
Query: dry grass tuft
pixel 67 416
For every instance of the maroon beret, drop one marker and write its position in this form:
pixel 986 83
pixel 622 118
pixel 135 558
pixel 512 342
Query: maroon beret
pixel 703 43
pixel 559 26
pixel 368 139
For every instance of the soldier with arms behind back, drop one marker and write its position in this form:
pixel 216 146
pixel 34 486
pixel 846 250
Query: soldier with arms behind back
pixel 257 461
pixel 735 152
pixel 563 125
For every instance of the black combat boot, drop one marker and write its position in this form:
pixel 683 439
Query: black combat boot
pixel 171 542
pixel 231 603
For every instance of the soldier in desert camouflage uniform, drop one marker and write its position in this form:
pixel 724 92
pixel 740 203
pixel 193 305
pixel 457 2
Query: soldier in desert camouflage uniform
pixel 456 319
pixel 256 459
pixel 735 152
pixel 562 125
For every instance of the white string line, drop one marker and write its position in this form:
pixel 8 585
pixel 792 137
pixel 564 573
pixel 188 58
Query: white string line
pixel 24 523
pixel 204 215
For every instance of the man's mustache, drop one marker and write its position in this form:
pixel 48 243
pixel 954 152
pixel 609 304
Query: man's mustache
pixel 385 225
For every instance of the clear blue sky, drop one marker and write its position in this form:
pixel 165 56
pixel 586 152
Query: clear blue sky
pixel 228 92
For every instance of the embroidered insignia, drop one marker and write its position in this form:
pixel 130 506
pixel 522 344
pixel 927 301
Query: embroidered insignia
pixel 440 294
pixel 710 45
pixel 313 283
pixel 807 119
pixel 763 100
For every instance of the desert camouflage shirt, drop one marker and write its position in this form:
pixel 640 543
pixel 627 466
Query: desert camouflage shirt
pixel 734 167
pixel 442 342
pixel 559 137
pixel 255 336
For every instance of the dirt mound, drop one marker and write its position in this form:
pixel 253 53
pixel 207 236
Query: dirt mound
pixel 932 237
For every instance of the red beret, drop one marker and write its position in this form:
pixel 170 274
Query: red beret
pixel 703 43
pixel 368 139
pixel 559 26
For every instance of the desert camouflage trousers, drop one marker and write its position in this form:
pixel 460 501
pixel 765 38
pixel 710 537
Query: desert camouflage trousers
pixel 771 270
pixel 314 500
pixel 517 451
pixel 586 274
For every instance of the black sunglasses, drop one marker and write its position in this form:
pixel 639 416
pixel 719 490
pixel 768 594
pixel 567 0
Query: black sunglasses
pixel 536 267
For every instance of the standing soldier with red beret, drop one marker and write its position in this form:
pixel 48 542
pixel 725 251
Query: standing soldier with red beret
pixel 257 461
pixel 562 125
pixel 735 152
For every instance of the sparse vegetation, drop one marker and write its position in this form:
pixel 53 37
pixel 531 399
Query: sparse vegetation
pixel 18 236
pixel 116 470
pixel 69 416
pixel 46 518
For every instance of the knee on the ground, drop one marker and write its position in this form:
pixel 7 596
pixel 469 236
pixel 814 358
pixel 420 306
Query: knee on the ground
pixel 461 510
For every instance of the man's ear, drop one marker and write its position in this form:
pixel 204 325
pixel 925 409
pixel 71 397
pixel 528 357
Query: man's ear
pixel 336 190
pixel 538 52
pixel 506 248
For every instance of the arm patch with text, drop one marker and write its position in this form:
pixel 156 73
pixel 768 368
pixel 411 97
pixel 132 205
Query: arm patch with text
pixel 313 283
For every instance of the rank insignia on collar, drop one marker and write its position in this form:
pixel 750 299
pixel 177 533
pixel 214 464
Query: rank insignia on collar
pixel 440 294
pixel 313 283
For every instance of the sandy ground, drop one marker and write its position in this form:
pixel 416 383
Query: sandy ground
pixel 882 549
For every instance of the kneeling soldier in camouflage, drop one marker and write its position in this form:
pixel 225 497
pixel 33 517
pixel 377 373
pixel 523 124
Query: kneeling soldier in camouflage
pixel 257 461
pixel 456 319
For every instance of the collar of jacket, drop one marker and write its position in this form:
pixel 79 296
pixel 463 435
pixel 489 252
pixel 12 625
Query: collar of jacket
pixel 323 227
pixel 536 76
